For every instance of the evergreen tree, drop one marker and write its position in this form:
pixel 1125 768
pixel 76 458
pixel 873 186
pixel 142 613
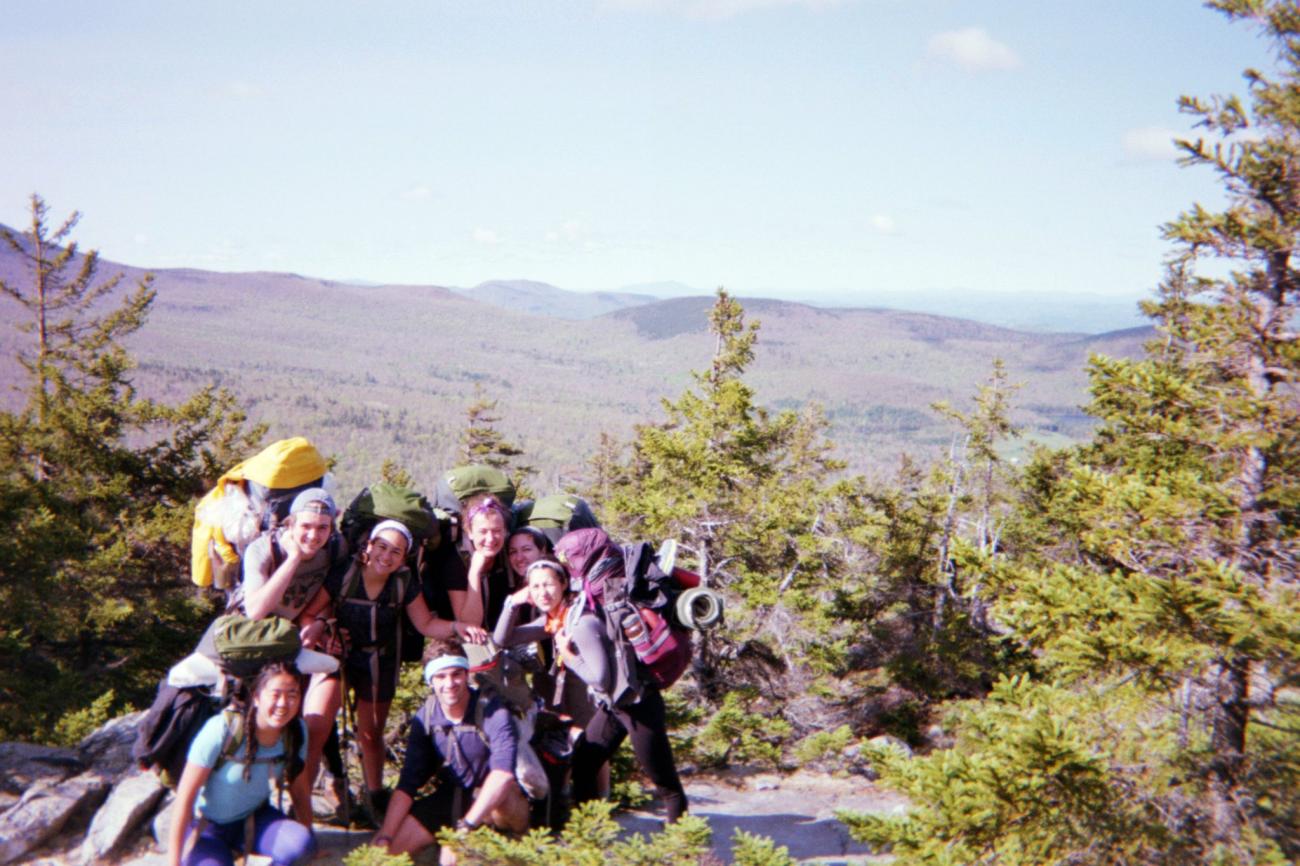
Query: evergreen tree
pixel 95 491
pixel 1163 608
pixel 482 442
pixel 747 495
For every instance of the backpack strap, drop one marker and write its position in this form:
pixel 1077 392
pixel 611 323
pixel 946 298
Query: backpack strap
pixel 290 744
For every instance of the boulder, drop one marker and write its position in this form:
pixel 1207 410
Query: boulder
pixel 108 749
pixel 44 810
pixel 24 765
pixel 162 821
pixel 115 824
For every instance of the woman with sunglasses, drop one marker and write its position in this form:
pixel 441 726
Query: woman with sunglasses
pixel 369 597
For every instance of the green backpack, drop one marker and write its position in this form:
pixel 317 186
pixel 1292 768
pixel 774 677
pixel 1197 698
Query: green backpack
pixel 556 514
pixel 457 485
pixel 244 645
pixel 385 501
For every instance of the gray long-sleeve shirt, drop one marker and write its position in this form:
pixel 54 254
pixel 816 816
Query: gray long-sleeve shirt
pixel 586 653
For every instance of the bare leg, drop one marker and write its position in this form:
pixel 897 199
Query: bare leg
pixel 410 837
pixel 318 711
pixel 371 718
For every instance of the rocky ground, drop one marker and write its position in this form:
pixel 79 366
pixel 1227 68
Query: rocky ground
pixel 71 807
pixel 797 811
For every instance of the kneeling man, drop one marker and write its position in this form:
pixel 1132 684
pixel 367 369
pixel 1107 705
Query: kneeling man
pixel 470 748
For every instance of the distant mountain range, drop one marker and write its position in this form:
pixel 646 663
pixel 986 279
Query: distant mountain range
pixel 543 299
pixel 386 371
pixel 1090 314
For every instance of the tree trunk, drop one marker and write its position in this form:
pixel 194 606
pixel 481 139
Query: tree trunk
pixel 1228 744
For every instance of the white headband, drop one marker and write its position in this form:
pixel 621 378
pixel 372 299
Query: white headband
pixel 442 663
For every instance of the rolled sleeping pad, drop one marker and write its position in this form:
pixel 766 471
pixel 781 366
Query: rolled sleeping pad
pixel 699 608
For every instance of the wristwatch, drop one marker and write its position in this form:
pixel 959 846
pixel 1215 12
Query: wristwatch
pixel 466 825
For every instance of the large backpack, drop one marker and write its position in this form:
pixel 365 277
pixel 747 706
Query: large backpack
pixel 386 501
pixel 240 647
pixel 252 497
pixel 624 585
pixel 556 515
pixel 459 484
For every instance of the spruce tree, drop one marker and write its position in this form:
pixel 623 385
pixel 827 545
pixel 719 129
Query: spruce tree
pixel 96 484
pixel 1162 608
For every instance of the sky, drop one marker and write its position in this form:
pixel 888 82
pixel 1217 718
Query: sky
pixel 794 148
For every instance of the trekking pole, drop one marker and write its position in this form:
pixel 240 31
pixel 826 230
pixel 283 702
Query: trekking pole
pixel 343 750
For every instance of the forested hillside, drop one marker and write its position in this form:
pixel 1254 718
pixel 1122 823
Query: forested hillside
pixel 1093 648
pixel 388 371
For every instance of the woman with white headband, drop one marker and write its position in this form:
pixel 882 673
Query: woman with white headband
pixel 470 747
pixel 369 597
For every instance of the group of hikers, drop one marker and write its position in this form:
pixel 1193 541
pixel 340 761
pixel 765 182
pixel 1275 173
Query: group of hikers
pixel 499 595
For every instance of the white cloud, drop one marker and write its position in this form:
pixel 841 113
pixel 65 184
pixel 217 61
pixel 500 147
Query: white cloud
pixel 973 49
pixel 883 223
pixel 244 90
pixel 570 231
pixel 417 193
pixel 1151 143
pixel 488 237
pixel 708 8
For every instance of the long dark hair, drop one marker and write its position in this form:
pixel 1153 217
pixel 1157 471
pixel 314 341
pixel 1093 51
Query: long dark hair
pixel 249 710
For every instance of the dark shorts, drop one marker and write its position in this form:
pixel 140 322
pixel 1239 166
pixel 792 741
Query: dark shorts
pixel 443 808
pixel 360 677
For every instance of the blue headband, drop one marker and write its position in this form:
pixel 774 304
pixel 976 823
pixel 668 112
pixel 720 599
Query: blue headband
pixel 442 663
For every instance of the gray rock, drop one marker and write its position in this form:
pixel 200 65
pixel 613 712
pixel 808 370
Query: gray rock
pixel 24 765
pixel 108 749
pixel 889 742
pixel 162 821
pixel 44 810
pixel 131 802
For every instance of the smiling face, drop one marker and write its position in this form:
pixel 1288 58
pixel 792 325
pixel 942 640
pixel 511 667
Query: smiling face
pixel 545 589
pixel 277 701
pixel 451 687
pixel 386 552
pixel 523 552
pixel 311 530
pixel 488 532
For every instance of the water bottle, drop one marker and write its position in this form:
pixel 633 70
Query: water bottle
pixel 636 633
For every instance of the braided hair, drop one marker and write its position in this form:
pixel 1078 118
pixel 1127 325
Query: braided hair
pixel 245 705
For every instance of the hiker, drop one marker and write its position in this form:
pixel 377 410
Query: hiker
pixel 487 581
pixel 471 748
pixel 284 571
pixel 546 593
pixel 369 595
pixel 586 650
pixel 526 545
pixel 223 798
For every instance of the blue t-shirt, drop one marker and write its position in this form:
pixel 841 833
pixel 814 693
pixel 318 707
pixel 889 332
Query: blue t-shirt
pixel 226 796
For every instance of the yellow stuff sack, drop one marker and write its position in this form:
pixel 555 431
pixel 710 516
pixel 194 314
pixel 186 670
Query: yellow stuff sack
pixel 265 484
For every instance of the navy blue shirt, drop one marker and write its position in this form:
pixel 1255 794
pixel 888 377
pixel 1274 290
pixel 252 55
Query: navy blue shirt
pixel 355 619
pixel 429 751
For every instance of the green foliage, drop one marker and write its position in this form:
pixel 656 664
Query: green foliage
pixel 1027 783
pixel 95 488
pixel 751 850
pixel 1150 582
pixel 482 442
pixel 823 744
pixel 372 855
pixel 76 725
pixel 736 734
pixel 592 839
pixel 747 493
